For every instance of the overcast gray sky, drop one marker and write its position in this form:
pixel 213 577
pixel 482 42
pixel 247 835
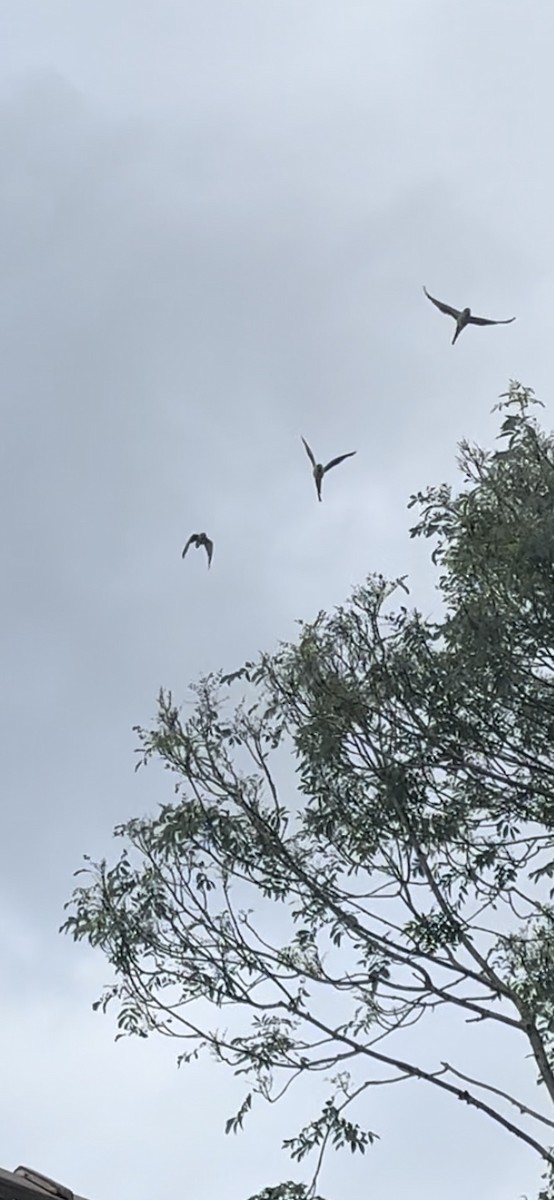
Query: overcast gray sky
pixel 216 219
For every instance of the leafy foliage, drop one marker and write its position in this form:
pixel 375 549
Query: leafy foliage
pixel 408 872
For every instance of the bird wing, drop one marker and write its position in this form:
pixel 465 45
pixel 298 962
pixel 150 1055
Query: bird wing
pixel 209 549
pixel 444 308
pixel 192 539
pixel 309 452
pixel 485 321
pixel 335 461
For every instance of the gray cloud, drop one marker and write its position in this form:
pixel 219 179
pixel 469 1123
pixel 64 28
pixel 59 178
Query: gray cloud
pixel 216 224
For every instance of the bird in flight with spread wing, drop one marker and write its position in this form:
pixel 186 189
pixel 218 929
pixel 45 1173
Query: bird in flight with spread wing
pixel 200 539
pixel 463 316
pixel 320 470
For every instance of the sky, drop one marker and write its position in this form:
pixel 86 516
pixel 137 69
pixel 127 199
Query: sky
pixel 216 220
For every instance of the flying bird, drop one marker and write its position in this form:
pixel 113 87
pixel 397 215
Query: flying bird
pixel 463 316
pixel 200 539
pixel 319 469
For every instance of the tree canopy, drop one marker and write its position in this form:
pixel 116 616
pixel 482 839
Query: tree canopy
pixel 408 867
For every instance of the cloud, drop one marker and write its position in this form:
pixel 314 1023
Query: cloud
pixel 216 224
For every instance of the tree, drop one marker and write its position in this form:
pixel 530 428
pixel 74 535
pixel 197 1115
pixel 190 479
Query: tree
pixel 410 870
